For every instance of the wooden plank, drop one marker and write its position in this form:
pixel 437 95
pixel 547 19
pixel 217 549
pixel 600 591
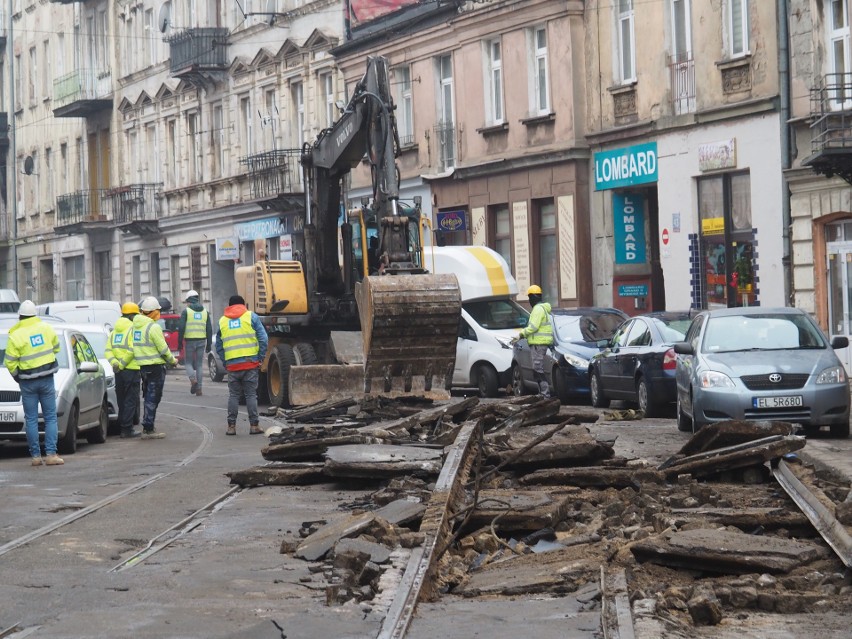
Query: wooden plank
pixel 616 615
pixel 733 432
pixel 740 456
pixel 381 460
pixel 593 477
pixel 309 449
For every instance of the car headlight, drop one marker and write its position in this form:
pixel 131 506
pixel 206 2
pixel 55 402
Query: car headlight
pixel 110 382
pixel 833 375
pixel 575 361
pixel 714 379
pixel 505 342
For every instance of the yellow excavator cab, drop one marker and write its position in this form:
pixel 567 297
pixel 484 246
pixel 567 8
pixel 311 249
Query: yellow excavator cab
pixel 273 287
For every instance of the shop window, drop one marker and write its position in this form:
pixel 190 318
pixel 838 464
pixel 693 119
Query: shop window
pixel 727 241
pixel 500 230
pixel 544 249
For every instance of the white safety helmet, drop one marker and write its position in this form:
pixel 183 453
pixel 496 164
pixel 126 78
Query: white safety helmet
pixel 192 293
pixel 149 304
pixel 27 309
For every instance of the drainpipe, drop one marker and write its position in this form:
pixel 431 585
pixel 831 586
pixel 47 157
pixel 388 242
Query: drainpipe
pixel 786 150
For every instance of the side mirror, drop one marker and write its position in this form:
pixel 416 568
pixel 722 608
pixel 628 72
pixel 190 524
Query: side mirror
pixel 841 341
pixel 602 343
pixel 684 348
pixel 89 367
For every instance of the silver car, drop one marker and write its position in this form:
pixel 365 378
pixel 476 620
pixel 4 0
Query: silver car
pixel 761 364
pixel 97 335
pixel 81 402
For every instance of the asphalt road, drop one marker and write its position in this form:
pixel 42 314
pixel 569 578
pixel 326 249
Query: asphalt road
pixel 147 539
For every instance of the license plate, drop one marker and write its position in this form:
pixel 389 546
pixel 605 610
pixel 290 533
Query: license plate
pixel 787 401
pixel 7 416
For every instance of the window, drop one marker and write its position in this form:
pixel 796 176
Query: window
pixel 175 277
pixel 681 63
pixel 46 85
pixel 75 278
pixel 172 153
pixel 148 42
pixel 136 277
pixel 501 231
pixel 327 89
pixel 59 62
pixel 104 276
pixel 269 120
pixel 102 46
pixel 544 212
pixel 494 82
pixel 738 10
pixel 80 176
pixel 31 88
pixel 405 105
pixel 626 53
pixel 28 281
pixel 727 240
pixel 63 168
pixel 218 141
pixel 246 125
pixel 446 128
pixel 152 157
pixel 538 74
pixel 154 273
pixel 195 267
pixel 839 53
pixel 18 84
pixel 195 149
pixel 48 178
pixel 296 90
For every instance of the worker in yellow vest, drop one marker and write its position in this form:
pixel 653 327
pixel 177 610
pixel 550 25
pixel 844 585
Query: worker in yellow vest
pixel 153 354
pixel 241 343
pixel 119 352
pixel 31 359
pixel 195 334
pixel 539 335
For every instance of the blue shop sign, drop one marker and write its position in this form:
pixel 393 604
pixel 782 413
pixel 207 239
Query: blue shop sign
pixel 628 210
pixel 626 167
pixel 633 290
pixel 452 220
pixel 260 229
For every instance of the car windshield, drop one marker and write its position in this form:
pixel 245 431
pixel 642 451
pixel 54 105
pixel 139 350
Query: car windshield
pixel 98 341
pixel 672 329
pixel 767 332
pixel 589 327
pixel 61 357
pixel 169 323
pixel 497 314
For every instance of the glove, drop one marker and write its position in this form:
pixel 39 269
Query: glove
pixel 515 339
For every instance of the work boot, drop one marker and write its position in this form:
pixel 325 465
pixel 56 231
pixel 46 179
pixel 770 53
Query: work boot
pixel 152 434
pixel 193 388
pixel 53 460
pixel 232 429
pixel 255 430
pixel 36 461
pixel 198 393
pixel 130 434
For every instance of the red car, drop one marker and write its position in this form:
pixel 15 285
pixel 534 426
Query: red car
pixel 169 323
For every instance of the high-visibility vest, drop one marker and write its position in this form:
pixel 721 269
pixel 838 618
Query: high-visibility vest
pixel 238 337
pixel 146 352
pixel 539 330
pixel 31 349
pixel 119 350
pixel 196 324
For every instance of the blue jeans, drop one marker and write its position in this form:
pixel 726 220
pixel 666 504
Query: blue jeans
pixel 193 359
pixel 34 392
pixel 240 382
pixel 153 380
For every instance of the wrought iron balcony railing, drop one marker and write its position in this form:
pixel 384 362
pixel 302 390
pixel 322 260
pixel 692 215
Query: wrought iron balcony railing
pixel 273 173
pixel 119 205
pixel 198 49
pixel 831 113
pixel 82 85
pixel 682 68
pixel 445 141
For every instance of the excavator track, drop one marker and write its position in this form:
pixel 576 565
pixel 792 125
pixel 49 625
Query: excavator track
pixel 410 328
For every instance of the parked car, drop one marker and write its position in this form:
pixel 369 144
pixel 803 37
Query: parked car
pixel 577 333
pixel 104 312
pixel 81 395
pixel 638 363
pixel 9 301
pixel 97 335
pixel 215 366
pixel 761 363
pixel 169 323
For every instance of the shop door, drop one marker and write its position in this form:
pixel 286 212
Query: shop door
pixel 840 296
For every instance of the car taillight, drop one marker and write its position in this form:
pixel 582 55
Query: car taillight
pixel 669 360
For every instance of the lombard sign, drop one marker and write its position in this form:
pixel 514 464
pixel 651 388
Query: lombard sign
pixel 628 211
pixel 452 220
pixel 260 229
pixel 626 167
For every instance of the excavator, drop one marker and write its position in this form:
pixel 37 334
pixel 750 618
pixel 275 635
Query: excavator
pixel 358 311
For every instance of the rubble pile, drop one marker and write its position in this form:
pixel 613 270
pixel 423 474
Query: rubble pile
pixel 549 509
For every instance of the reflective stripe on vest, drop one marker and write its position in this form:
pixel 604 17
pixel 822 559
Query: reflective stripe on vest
pixel 36 353
pixel 122 349
pixel 144 350
pixel 544 335
pixel 238 337
pixel 196 325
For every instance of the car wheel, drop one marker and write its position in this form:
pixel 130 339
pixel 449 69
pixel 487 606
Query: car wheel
pixel 278 375
pixel 486 380
pixel 648 408
pixel 684 424
pixel 213 370
pixel 68 444
pixel 840 430
pixel 517 382
pixel 599 400
pixel 98 434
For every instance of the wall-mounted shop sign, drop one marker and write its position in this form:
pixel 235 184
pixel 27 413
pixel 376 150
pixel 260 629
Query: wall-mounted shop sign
pixel 626 167
pixel 452 220
pixel 628 211
pixel 633 290
pixel 713 226
pixel 227 248
pixel 717 155
pixel 260 229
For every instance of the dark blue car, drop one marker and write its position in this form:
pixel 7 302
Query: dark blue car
pixel 577 333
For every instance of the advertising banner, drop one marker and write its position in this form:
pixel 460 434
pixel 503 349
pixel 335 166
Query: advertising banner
pixel 452 220
pixel 362 11
pixel 628 210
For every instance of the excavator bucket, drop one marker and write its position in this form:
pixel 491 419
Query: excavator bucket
pixel 410 327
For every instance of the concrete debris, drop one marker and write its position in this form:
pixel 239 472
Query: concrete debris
pixel 279 475
pixel 379 460
pixel 510 510
pixel 743 455
pixel 730 433
pixel 571 446
pixel 593 476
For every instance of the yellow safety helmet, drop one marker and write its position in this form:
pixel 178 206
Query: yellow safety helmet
pixel 129 308
pixel 535 289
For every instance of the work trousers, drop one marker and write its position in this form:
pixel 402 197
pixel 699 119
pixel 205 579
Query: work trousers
pixel 538 351
pixel 193 359
pixel 240 382
pixel 153 380
pixel 34 392
pixel 127 394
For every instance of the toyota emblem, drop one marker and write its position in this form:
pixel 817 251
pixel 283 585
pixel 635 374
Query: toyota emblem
pixel 775 378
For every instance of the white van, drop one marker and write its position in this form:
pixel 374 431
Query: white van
pixel 103 312
pixel 9 301
pixel 490 315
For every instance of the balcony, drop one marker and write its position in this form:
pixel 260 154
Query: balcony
pixel 831 127
pixel 275 178
pixel 197 53
pixel 445 142
pixel 82 93
pixel 682 68
pixel 133 209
